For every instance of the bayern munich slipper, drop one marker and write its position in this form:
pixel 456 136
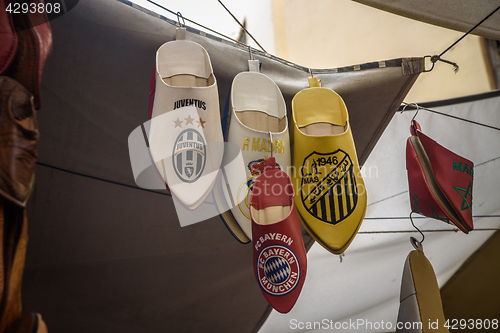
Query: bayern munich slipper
pixel 258 125
pixel 279 255
pixel 329 192
pixel 420 308
pixel 440 181
pixel 185 135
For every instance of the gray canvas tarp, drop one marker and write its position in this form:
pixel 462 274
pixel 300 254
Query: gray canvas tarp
pixel 460 15
pixel 107 256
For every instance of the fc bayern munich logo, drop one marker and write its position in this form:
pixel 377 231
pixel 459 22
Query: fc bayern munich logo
pixel 278 270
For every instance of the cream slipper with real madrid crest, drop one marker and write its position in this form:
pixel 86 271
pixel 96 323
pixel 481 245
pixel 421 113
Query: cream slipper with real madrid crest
pixel 256 123
pixel 185 134
pixel 330 193
pixel 279 256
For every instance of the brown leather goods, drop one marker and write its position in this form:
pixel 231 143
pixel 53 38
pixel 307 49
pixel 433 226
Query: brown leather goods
pixel 30 322
pixel 18 141
pixel 15 238
pixel 8 37
pixel 34 46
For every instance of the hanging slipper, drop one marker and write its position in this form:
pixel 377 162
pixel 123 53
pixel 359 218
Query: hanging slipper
pixel 258 126
pixel 440 181
pixel 330 193
pixel 14 224
pixel 279 256
pixel 420 308
pixel 185 135
pixel 18 143
pixel 8 37
pixel 34 46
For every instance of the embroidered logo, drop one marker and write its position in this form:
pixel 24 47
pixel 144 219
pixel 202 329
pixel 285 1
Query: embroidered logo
pixel 189 155
pixel 328 186
pixel 278 270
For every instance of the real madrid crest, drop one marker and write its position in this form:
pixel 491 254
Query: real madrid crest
pixel 278 270
pixel 189 155
pixel 328 186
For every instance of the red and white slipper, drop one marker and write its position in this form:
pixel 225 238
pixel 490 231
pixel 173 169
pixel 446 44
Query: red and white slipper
pixel 279 255
pixel 440 181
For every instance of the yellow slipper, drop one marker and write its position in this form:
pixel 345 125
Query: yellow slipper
pixel 420 308
pixel 330 194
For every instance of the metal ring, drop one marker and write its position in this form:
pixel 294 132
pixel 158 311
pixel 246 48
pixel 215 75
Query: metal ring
pixel 432 67
pixel 416 244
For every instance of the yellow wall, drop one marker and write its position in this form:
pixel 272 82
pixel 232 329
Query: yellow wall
pixel 337 33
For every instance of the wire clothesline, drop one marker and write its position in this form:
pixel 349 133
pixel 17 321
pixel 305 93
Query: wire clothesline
pixel 414 106
pixel 379 64
pixel 436 58
pixel 361 232
pixel 428 230
pixel 468 32
pixel 417 217
pixel 242 26
pixel 178 14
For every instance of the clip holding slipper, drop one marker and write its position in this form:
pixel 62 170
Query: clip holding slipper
pixel 413 124
pixel 313 80
pixel 253 64
pixel 413 238
pixel 180 32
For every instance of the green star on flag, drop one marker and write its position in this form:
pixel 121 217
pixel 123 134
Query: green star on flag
pixel 464 194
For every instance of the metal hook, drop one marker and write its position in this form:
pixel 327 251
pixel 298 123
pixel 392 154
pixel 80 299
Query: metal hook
pixel 272 146
pixel 436 58
pixel 413 224
pixel 179 15
pixel 416 106
pixel 342 255
pixel 310 71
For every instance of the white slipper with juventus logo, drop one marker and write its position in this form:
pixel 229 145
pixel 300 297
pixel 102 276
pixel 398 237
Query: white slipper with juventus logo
pixel 185 136
pixel 329 192
pixel 258 125
pixel 420 299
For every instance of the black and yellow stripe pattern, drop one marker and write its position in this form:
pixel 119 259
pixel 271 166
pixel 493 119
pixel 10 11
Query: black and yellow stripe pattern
pixel 333 197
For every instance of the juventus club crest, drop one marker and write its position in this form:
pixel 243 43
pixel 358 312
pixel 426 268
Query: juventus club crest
pixel 189 155
pixel 328 188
